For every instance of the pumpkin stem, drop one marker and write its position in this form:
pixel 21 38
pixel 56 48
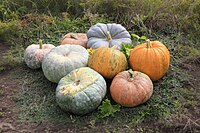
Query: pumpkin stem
pixel 76 82
pixel 73 36
pixel 148 43
pixel 115 47
pixel 40 43
pixel 130 71
pixel 90 51
pixel 109 38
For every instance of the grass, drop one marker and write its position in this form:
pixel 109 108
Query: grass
pixel 13 57
pixel 36 99
pixel 1 92
pixel 1 114
pixel 36 95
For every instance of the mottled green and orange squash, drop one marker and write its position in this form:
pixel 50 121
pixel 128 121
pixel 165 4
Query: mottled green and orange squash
pixel 131 88
pixel 62 60
pixel 151 58
pixel 35 53
pixel 108 61
pixel 81 91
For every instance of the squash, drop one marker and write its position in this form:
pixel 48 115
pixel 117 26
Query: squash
pixel 81 91
pixel 107 35
pixel 62 59
pixel 151 58
pixel 35 53
pixel 74 38
pixel 131 88
pixel 107 61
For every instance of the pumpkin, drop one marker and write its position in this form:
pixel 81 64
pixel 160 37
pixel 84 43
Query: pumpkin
pixel 107 35
pixel 131 88
pixel 151 58
pixel 35 53
pixel 63 59
pixel 74 38
pixel 108 61
pixel 81 91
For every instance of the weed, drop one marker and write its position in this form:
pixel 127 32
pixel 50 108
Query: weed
pixel 1 92
pixel 12 57
pixel 1 114
pixel 8 31
pixel 106 109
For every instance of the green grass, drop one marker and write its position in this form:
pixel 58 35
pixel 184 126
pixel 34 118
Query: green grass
pixel 1 92
pixel 36 103
pixel 36 99
pixel 36 96
pixel 1 114
pixel 11 58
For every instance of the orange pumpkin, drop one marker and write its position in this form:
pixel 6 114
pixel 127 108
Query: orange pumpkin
pixel 131 88
pixel 74 38
pixel 107 61
pixel 151 58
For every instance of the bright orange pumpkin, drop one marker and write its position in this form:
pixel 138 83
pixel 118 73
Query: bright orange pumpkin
pixel 107 61
pixel 131 88
pixel 151 58
pixel 75 38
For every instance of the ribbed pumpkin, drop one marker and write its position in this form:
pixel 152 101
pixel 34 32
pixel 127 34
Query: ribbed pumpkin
pixel 81 91
pixel 35 53
pixel 131 88
pixel 62 59
pixel 151 58
pixel 107 35
pixel 75 38
pixel 108 61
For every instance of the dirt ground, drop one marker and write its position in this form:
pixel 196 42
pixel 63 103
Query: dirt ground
pixel 8 107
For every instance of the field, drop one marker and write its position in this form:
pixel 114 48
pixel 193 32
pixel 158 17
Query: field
pixel 27 98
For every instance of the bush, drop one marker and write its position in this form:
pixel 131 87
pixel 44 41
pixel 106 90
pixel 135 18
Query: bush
pixel 159 15
pixel 166 16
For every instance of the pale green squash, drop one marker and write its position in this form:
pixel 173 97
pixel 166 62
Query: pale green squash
pixel 81 91
pixel 62 59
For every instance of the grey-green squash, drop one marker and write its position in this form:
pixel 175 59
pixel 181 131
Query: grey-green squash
pixel 107 35
pixel 62 59
pixel 81 91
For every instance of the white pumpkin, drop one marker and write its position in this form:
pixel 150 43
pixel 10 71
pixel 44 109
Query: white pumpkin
pixel 62 59
pixel 35 53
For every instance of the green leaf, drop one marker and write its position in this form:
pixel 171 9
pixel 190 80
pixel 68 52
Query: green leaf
pixel 143 38
pixel 107 109
pixel 126 48
pixel 135 36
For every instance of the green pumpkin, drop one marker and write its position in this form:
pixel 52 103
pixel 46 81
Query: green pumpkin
pixel 81 91
pixel 107 35
pixel 62 59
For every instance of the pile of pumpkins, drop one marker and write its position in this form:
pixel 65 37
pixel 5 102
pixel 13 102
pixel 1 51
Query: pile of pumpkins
pixel 82 62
